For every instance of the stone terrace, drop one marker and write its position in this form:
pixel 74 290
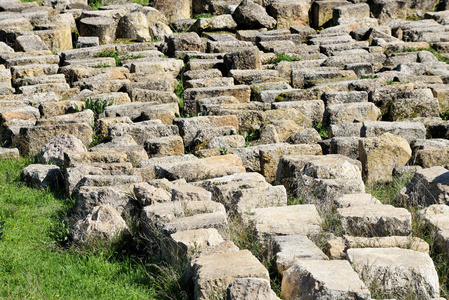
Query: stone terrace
pixel 201 128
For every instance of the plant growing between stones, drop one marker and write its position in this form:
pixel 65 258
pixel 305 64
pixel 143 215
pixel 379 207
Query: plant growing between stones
pixel 283 57
pixel 97 106
pixel 203 16
pixel 322 131
pixel 245 237
pixel 223 151
pixel 115 55
pixel 95 4
pixel 250 136
pixel 101 66
pixel 445 115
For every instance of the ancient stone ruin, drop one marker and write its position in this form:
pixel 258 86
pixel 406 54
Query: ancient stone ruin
pixel 196 120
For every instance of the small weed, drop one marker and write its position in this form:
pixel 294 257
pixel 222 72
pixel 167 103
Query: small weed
pixel 60 232
pixel 96 140
pixel 95 4
pixel 245 237
pixel 115 55
pixel 322 131
pixel 391 82
pixel 368 77
pixel 142 2
pixel 292 200
pixel 179 91
pixel 109 53
pixel 387 192
pixel 101 66
pixel 250 136
pixel 440 57
pixel 223 151
pixel 128 56
pixel 283 57
pixel 98 106
pixel 445 115
pixel 203 16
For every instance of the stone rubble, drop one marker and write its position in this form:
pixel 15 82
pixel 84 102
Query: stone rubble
pixel 203 127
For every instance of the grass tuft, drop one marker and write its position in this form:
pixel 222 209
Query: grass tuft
pixel 203 16
pixel 283 57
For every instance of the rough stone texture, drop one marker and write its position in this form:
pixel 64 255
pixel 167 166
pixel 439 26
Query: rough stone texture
pixel 348 113
pixel 181 246
pixel 247 59
pixel 90 196
pixel 251 15
pixel 251 289
pixel 285 220
pixel 42 176
pixel 323 178
pixel 53 151
pixel 103 223
pixel 9 153
pixel 291 248
pixel 147 194
pixel 321 279
pixel 34 138
pixel 375 220
pixel 436 216
pixel 205 168
pixel 358 199
pixel 337 247
pixel 213 273
pixel 397 272
pixel 174 9
pixel 427 187
pixel 269 157
pixel 379 156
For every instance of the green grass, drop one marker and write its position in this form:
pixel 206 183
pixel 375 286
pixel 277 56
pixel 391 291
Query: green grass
pixel 387 194
pixel 203 16
pixel 440 57
pixel 392 82
pixel 445 115
pixel 322 131
pixel 95 4
pixel 33 265
pixel 38 1
pixel 283 57
pixel 101 66
pixel 142 2
pixel 179 91
pixel 115 55
pixel 245 237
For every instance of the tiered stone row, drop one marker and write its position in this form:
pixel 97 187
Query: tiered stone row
pixel 194 173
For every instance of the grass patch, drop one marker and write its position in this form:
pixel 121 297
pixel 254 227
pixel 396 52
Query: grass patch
pixel 101 66
pixel 322 131
pixel 142 2
pixel 445 115
pixel 38 1
pixel 440 57
pixel 387 194
pixel 244 237
pixel 115 55
pixel 203 16
pixel 250 137
pixel 283 57
pixel 392 82
pixel 95 4
pixel 32 264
